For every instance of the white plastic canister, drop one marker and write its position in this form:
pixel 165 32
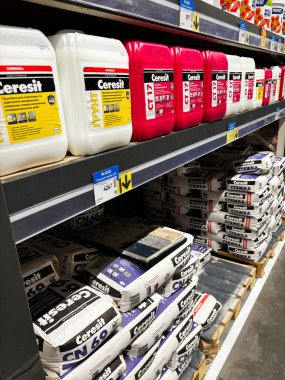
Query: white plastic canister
pixel 258 87
pixel 234 84
pixel 277 16
pixel 247 83
pixel 275 84
pixel 94 79
pixel 32 128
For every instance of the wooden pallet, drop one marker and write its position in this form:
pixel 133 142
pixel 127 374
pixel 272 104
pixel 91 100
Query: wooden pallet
pixel 201 371
pixel 261 263
pixel 211 348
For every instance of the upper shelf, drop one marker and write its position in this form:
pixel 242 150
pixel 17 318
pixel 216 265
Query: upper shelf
pixel 40 198
pixel 215 24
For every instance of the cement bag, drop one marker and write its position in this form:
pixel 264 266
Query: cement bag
pixel 129 283
pixel 157 195
pixel 137 367
pixel 200 180
pixel 217 195
pixel 278 165
pixel 86 219
pixel 72 254
pixel 202 253
pixel 169 374
pixel 250 254
pixel 246 233
pixel 182 316
pixel 38 269
pixel 247 182
pixel 186 348
pixel 179 279
pixel 206 309
pixel 246 221
pixel 188 222
pixel 247 198
pixel 71 324
pixel 168 345
pixel 274 183
pixel 186 169
pixel 255 210
pixel 258 163
pixel 237 241
pixel 195 203
pixel 169 309
pixel 215 246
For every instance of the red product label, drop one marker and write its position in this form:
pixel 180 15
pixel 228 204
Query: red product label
pixel 249 86
pixel 267 88
pixel 159 95
pixel 192 90
pixel 219 88
pixel 234 87
pixel 273 88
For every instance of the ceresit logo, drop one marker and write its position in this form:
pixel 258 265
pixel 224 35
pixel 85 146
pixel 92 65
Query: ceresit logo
pixel 34 86
pixel 160 78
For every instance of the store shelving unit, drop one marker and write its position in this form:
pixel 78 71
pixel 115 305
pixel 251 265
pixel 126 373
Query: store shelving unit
pixel 35 200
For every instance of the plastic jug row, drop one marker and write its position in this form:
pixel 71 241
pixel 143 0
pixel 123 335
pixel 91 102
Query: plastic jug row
pixel 94 93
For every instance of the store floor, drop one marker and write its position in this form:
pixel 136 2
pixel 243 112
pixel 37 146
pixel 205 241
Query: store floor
pixel 259 352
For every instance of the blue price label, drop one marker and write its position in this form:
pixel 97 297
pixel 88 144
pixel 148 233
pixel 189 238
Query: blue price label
pixel 187 4
pixel 231 125
pixel 106 174
pixel 242 26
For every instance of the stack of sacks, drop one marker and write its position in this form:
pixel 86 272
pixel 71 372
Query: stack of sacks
pixel 277 209
pixel 154 196
pixel 249 205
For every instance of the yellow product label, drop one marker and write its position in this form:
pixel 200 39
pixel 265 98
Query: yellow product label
pixel 108 94
pixel 29 105
pixel 232 135
pixel 259 89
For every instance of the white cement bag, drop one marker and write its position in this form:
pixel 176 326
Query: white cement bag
pixel 246 233
pixel 195 203
pixel 239 221
pixel 246 198
pixel 258 163
pixel 186 348
pixel 188 222
pixel 255 210
pixel 237 241
pixel 278 165
pixel 200 180
pixel 179 279
pixel 169 374
pixel 250 254
pixel 215 246
pixel 137 368
pixel 71 324
pixel 38 269
pixel 168 345
pixel 202 253
pixel 129 283
pixel 187 168
pixel 247 182
pixel 206 309
pixel 72 255
pixel 274 183
pixel 212 195
pixel 168 310
pixel 182 316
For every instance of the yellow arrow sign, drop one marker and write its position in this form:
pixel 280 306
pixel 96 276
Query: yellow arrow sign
pixel 232 135
pixel 125 182
pixel 196 22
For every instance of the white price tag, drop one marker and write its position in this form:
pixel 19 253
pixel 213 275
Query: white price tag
pixel 105 184
pixel 273 44
pixel 186 18
pixel 243 34
pixel 280 46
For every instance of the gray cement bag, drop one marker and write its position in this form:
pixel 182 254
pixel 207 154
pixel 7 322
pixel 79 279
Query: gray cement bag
pixel 247 182
pixel 201 240
pixel 278 165
pixel 247 198
pixel 200 180
pixel 251 254
pixel 71 324
pixel 187 223
pixel 258 163
pixel 194 203
pixel 38 269
pixel 253 210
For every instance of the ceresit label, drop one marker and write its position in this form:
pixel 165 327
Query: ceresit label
pixel 234 87
pixel 192 90
pixel 249 85
pixel 108 97
pixel 29 108
pixel 267 88
pixel 219 88
pixel 259 88
pixel 273 88
pixel 158 91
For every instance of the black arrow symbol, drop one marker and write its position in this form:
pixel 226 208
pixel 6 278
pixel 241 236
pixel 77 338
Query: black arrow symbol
pixel 127 182
pixel 196 23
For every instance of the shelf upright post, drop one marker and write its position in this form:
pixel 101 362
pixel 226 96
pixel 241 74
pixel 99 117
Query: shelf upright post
pixel 19 355
pixel 281 138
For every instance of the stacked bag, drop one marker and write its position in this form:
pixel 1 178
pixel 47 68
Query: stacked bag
pixel 118 317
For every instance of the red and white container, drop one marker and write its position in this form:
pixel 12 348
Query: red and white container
pixel 188 87
pixel 282 84
pixel 234 84
pixel 267 87
pixel 152 89
pixel 275 85
pixel 215 85
pixel 247 84
pixel 258 87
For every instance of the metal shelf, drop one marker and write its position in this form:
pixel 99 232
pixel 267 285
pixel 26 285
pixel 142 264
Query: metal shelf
pixel 53 194
pixel 215 24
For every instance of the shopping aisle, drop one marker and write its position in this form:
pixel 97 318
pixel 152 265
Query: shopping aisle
pixel 259 351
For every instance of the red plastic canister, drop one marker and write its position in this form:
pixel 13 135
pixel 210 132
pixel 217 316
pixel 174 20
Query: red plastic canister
pixel 282 84
pixel 267 87
pixel 152 89
pixel 215 85
pixel 188 87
